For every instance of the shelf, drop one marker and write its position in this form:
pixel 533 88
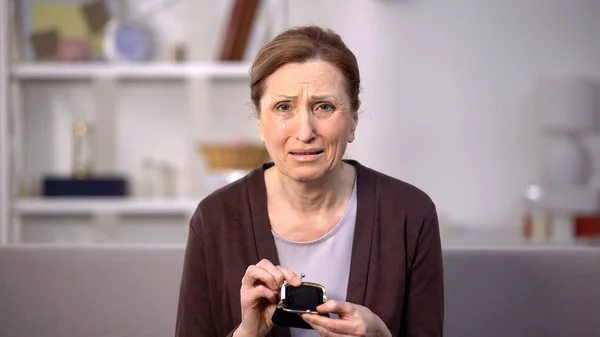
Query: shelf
pixel 91 206
pixel 138 71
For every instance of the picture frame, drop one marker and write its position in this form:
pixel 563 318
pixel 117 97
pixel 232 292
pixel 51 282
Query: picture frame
pixel 44 24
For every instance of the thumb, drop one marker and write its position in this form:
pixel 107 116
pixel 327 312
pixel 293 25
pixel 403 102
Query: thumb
pixel 336 307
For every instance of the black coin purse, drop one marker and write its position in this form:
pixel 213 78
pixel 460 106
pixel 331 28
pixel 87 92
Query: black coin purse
pixel 296 301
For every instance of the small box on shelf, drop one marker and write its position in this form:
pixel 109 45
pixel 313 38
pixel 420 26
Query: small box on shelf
pixel 97 186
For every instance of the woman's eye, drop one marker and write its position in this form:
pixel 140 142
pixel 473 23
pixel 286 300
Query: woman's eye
pixel 283 107
pixel 325 107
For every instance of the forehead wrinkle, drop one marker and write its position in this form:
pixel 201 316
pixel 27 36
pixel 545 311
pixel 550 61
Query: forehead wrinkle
pixel 295 82
pixel 320 97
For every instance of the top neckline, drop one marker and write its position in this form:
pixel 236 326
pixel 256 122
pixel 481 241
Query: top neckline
pixel 336 228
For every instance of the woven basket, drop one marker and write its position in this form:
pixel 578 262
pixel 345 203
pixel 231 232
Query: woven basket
pixel 234 156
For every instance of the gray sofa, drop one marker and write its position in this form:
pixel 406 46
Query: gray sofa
pixel 132 291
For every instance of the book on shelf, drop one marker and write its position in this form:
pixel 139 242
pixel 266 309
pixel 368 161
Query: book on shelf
pixel 237 32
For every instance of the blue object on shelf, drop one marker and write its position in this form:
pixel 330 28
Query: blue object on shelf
pixel 132 42
pixel 128 41
pixel 106 186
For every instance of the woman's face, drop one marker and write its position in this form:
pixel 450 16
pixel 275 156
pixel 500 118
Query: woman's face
pixel 305 119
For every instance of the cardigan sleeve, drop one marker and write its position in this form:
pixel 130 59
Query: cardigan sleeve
pixel 194 312
pixel 424 306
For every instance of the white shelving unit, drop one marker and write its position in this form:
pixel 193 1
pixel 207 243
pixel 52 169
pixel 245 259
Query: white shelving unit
pixel 110 90
pixel 5 196
pixel 62 72
pixel 120 206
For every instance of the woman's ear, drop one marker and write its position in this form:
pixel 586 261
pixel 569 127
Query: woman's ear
pixel 260 130
pixel 352 134
pixel 259 126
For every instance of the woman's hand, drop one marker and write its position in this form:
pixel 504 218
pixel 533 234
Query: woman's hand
pixel 259 296
pixel 355 320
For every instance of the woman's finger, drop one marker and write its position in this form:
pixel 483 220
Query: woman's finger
pixel 257 275
pixel 331 327
pixel 290 276
pixel 257 292
pixel 273 270
pixel 336 307
pixel 322 331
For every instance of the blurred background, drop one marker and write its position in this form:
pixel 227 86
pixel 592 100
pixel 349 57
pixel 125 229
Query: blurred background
pixel 488 106
pixel 118 116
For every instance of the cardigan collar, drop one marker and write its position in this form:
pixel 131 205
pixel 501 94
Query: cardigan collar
pixel 363 232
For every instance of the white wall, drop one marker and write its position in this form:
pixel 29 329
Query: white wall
pixel 448 86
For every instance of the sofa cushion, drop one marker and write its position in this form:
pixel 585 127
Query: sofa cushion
pixel 120 291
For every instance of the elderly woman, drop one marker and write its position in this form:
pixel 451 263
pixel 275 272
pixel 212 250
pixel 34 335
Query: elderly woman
pixel 372 240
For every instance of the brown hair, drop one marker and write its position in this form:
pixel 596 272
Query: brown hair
pixel 299 45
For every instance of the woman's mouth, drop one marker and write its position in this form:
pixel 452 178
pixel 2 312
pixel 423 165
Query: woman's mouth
pixel 306 153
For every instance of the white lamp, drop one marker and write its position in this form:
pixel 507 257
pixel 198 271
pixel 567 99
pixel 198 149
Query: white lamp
pixel 569 111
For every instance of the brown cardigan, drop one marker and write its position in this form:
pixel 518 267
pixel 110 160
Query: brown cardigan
pixel 396 264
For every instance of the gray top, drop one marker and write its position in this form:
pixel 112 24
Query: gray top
pixel 325 261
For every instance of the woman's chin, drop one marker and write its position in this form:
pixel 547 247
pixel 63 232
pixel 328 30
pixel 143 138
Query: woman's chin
pixel 306 174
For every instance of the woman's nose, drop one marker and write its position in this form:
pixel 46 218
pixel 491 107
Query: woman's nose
pixel 306 126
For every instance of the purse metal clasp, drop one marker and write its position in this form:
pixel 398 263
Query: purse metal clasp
pixel 316 288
